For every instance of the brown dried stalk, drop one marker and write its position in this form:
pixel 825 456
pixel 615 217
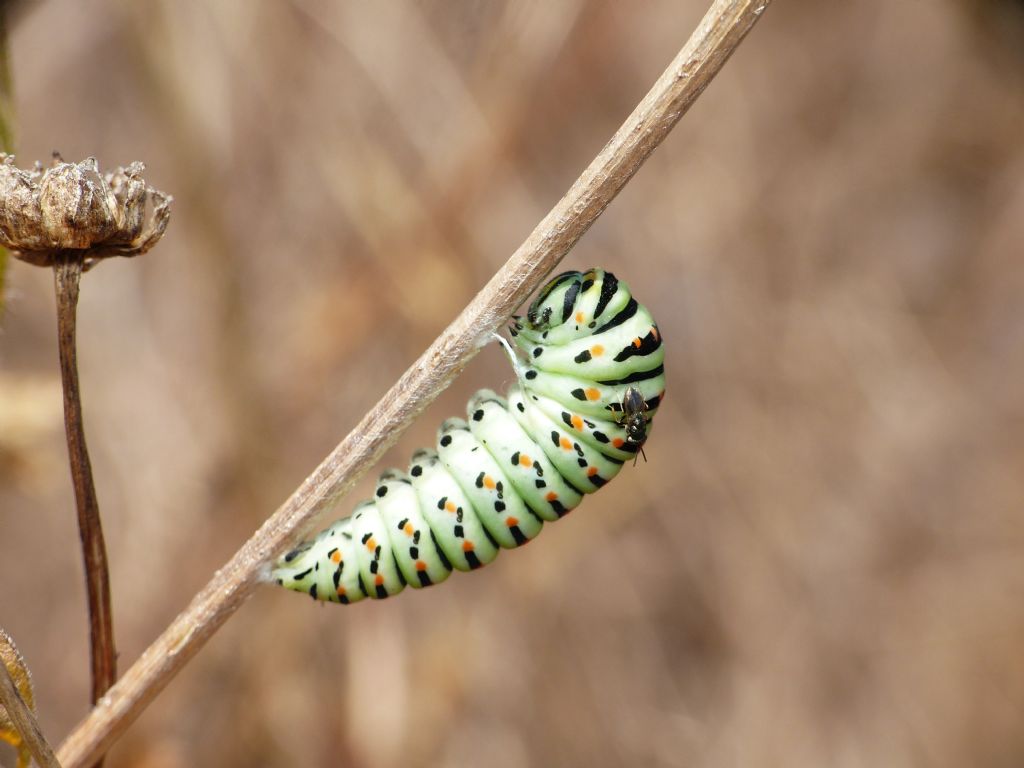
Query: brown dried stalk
pixel 67 271
pixel 6 124
pixel 69 216
pixel 719 33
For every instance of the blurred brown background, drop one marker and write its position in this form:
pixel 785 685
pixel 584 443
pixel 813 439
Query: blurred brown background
pixel 821 564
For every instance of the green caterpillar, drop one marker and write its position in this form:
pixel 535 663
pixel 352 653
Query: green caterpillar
pixel 590 383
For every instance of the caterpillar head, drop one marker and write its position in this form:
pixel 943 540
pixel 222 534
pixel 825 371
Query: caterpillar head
pixel 556 301
pixel 570 307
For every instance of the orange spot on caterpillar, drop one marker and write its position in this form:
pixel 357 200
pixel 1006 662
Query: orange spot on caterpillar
pixel 592 394
pixel 654 332
pixel 341 591
pixel 450 506
pixel 566 444
pixel 408 529
pixel 371 543
pixel 592 471
pixel 467 546
pixel 525 460
pixel 489 482
pixel 597 350
pixel 579 317
pixel 420 565
pixel 618 442
pixel 638 342
pixel 336 557
pixel 552 496
pixel 577 422
pixel 512 521
pixel 379 581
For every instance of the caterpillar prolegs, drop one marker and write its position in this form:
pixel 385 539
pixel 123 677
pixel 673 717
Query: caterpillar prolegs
pixel 590 379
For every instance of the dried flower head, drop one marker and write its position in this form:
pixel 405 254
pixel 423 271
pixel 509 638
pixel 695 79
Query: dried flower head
pixel 71 207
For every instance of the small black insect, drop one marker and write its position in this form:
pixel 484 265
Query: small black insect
pixel 634 419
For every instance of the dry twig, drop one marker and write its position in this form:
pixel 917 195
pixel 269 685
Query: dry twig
pixel 67 273
pixel 6 124
pixel 719 33
pixel 25 721
pixel 16 708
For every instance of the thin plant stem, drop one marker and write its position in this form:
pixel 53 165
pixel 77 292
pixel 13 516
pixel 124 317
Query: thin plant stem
pixel 6 125
pixel 720 32
pixel 67 275
pixel 23 719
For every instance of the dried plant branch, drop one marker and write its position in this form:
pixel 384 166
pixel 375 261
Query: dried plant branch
pixel 6 124
pixel 6 89
pixel 67 273
pixel 21 717
pixel 719 33
pixel 70 217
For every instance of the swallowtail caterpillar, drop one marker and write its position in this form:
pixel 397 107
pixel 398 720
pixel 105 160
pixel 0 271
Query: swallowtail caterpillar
pixel 590 379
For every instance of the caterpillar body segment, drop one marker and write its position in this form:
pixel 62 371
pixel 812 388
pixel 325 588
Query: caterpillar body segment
pixel 599 355
pixel 457 530
pixel 375 550
pixel 546 494
pixel 594 399
pixel 503 512
pixel 414 548
pixel 608 437
pixel 590 376
pixel 580 464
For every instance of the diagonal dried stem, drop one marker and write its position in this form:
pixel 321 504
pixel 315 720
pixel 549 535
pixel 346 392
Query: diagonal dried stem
pixel 719 33
pixel 23 719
